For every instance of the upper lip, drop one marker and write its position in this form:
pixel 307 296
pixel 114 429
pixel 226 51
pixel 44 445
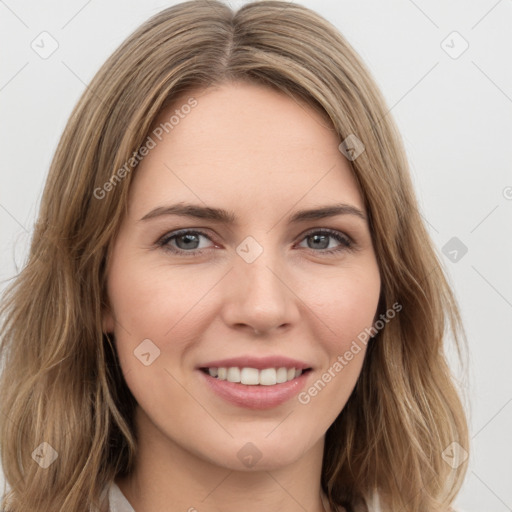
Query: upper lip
pixel 259 363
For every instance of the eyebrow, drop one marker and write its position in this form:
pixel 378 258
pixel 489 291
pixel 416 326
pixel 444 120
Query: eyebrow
pixel 228 217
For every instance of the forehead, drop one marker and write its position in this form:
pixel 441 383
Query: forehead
pixel 246 144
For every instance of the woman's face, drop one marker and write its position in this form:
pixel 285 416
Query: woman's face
pixel 191 290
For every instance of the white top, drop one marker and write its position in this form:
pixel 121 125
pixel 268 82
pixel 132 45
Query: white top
pixel 117 500
pixel 119 503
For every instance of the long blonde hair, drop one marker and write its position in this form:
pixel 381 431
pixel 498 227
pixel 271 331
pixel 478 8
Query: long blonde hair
pixel 61 383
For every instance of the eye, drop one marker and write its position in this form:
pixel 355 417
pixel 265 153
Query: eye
pixel 320 240
pixel 186 242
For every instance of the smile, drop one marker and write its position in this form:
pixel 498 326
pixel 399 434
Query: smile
pixel 253 376
pixel 255 394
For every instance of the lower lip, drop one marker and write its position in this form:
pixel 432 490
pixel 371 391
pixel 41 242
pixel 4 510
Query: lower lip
pixel 256 397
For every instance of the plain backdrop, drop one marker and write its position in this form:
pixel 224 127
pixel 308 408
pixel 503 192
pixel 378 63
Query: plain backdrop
pixel 445 71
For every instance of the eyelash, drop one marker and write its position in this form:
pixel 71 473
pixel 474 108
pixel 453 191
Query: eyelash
pixel 346 243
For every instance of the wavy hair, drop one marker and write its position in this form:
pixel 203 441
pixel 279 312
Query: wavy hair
pixel 62 389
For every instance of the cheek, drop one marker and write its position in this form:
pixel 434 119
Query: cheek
pixel 170 307
pixel 155 301
pixel 346 303
pixel 344 308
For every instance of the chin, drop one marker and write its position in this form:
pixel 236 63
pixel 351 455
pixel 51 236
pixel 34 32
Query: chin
pixel 260 454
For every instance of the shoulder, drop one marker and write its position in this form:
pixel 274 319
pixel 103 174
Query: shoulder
pixel 113 500
pixel 117 500
pixel 374 504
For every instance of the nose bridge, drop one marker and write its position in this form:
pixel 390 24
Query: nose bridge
pixel 259 295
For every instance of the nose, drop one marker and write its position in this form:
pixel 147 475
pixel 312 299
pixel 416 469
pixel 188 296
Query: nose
pixel 259 296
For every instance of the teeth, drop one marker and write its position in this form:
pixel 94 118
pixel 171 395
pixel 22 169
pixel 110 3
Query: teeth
pixel 233 374
pixel 268 377
pixel 254 377
pixel 250 376
pixel 282 375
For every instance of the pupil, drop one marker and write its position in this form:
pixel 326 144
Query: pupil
pixel 325 239
pixel 188 238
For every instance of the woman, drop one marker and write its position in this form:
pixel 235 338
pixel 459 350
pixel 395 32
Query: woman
pixel 293 358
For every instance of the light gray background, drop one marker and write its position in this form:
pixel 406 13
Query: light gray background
pixel 455 115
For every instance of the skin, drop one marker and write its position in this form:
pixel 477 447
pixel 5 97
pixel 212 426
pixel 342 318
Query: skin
pixel 259 153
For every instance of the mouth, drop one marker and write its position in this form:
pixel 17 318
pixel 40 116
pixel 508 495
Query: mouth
pixel 252 388
pixel 247 376
pixel 253 382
